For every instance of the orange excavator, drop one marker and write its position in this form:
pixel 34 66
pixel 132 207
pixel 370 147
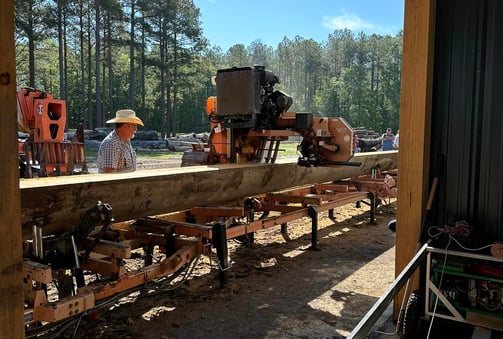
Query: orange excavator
pixel 43 149
pixel 251 118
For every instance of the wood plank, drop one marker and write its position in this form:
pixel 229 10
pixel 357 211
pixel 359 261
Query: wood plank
pixel 109 248
pixel 484 320
pixel 65 308
pixel 299 199
pixel 11 261
pixel 321 188
pixel 218 211
pixel 59 201
pixel 415 121
pixel 103 266
pixel 37 272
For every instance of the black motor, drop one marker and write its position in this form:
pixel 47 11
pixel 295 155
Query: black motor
pixel 247 99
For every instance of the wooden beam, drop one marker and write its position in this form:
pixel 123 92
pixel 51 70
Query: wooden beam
pixel 59 201
pixel 66 307
pixel 37 272
pixel 415 121
pixel 11 260
pixel 295 198
pixel 218 211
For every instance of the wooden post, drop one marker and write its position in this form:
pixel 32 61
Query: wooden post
pixel 11 259
pixel 415 121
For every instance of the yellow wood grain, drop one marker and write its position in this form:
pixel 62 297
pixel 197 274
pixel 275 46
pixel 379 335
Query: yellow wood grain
pixel 415 120
pixel 11 263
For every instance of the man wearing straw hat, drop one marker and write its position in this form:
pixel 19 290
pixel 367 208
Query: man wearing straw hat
pixel 116 153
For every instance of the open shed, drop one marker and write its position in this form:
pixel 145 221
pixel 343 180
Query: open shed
pixel 450 115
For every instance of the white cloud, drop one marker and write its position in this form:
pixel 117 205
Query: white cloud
pixel 349 21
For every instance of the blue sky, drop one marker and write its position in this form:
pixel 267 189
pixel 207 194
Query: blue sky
pixel 229 22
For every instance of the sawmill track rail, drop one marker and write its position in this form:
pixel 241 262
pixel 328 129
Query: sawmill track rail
pixel 72 269
pixel 175 240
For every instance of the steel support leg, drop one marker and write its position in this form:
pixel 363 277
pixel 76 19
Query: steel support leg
pixel 220 243
pixel 331 214
pixel 149 252
pixel 251 218
pixel 269 155
pixel 276 149
pixel 78 272
pixel 284 232
pixel 372 197
pixel 313 213
pixel 250 206
pixel 284 227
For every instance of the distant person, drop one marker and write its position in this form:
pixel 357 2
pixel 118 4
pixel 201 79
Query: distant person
pixel 116 153
pixel 387 140
pixel 397 140
pixel 356 146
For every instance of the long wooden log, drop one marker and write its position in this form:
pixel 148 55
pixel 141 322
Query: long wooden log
pixel 59 201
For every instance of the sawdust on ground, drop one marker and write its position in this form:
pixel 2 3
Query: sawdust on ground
pixel 275 289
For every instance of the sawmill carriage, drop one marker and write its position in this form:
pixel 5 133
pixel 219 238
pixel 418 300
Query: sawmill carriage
pixel 250 118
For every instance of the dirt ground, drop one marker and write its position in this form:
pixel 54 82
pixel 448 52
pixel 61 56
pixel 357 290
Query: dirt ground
pixel 275 289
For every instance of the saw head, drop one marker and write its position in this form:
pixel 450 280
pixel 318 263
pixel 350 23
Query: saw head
pixel 328 142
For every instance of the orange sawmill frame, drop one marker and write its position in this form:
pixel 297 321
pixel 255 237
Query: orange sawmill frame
pixel 193 232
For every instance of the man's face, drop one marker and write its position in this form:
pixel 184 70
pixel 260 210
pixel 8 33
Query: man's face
pixel 131 129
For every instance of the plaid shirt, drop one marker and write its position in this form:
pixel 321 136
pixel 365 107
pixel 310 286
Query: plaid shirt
pixel 116 153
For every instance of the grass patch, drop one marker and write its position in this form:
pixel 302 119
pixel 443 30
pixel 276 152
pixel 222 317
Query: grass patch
pixel 143 154
pixel 158 154
pixel 286 149
pixel 91 153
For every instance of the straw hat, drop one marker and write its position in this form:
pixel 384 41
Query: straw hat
pixel 126 116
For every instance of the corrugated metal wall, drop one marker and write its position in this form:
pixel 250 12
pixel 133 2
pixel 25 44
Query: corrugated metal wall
pixel 467 115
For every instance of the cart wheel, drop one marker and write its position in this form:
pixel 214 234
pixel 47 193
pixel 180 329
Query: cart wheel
pixel 412 316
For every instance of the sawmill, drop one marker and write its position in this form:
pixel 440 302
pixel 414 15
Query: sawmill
pixel 450 110
pixel 79 231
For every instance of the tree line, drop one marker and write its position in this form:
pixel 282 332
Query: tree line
pixel 152 56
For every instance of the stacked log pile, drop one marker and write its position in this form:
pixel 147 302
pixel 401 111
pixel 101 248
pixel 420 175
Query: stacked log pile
pixel 369 140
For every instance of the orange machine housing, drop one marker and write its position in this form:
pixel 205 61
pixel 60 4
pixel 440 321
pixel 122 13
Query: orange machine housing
pixel 42 115
pixel 218 134
pixel 44 119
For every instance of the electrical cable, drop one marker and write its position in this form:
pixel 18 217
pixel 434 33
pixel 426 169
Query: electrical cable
pixel 439 288
pixel 77 327
pixel 371 334
pixel 460 228
pixel 55 329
